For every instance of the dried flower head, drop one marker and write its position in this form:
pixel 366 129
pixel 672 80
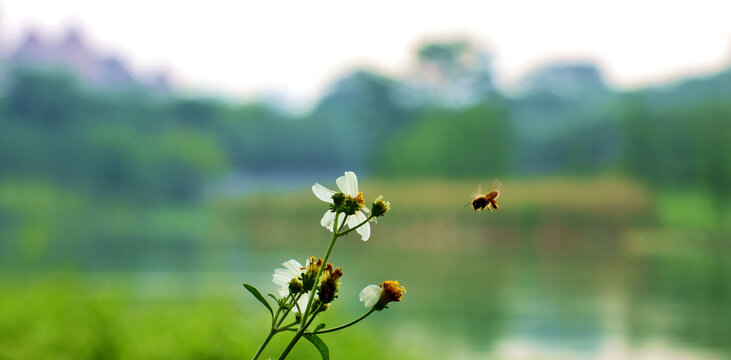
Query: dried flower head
pixel 329 284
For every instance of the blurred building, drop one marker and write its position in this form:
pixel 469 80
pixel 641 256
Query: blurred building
pixel 73 52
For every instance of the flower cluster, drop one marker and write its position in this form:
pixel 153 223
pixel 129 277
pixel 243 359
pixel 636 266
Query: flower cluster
pixel 296 280
pixel 309 290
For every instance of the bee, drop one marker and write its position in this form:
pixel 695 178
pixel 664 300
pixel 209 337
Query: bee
pixel 488 200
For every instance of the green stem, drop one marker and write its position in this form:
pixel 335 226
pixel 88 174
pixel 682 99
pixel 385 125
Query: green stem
pixel 359 225
pixel 264 344
pixel 305 323
pixel 342 225
pixel 271 332
pixel 286 327
pixel 286 312
pixel 275 324
pixel 274 318
pixel 313 316
pixel 319 272
pixel 298 335
pixel 289 347
pixel 346 325
pixel 297 305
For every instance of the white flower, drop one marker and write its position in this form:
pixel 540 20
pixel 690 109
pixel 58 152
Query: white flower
pixel 282 277
pixel 348 185
pixel 370 295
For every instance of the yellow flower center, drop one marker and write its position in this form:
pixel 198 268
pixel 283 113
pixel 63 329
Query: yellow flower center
pixel 359 200
pixel 392 290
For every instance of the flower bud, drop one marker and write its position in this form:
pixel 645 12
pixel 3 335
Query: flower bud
pixel 380 207
pixel 295 286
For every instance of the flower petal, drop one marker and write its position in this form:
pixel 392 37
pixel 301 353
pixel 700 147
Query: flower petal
pixel 281 281
pixel 355 220
pixel 323 193
pixel 341 221
pixel 328 220
pixel 370 295
pixel 293 266
pixel 364 231
pixel 283 276
pixel 348 184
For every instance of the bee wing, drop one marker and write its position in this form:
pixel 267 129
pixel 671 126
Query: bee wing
pixel 497 185
pixel 479 192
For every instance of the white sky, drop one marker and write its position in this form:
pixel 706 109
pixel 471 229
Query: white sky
pixel 296 48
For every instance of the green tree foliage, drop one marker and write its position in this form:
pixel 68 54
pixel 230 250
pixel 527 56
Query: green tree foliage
pixel 476 141
pixel 356 118
pixel 107 144
pixel 114 167
pixel 684 143
pixel 86 174
pixel 711 139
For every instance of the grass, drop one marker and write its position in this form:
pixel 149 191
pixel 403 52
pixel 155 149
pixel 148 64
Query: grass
pixel 59 317
pixel 692 209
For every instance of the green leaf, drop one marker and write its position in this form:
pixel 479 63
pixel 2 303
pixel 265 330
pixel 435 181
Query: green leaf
pixel 281 302
pixel 258 296
pixel 320 345
pixel 318 327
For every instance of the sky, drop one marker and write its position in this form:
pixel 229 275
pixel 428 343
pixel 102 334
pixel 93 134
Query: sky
pixel 295 49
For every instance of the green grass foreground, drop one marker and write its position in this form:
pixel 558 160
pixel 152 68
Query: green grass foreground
pixel 58 317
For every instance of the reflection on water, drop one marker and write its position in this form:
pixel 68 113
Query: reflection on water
pixel 490 304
